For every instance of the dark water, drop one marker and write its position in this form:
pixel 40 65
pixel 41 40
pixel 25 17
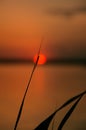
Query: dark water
pixel 50 87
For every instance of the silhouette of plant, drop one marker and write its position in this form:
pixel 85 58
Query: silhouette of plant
pixel 44 125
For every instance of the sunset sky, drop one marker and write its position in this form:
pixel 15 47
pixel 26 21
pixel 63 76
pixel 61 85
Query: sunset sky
pixel 24 22
pixel 23 25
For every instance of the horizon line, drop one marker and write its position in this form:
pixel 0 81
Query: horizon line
pixel 49 61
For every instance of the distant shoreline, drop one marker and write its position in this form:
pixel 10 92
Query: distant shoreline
pixel 52 61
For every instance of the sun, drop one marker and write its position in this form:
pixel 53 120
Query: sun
pixel 42 59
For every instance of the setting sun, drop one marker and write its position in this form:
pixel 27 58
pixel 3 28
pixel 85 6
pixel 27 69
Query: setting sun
pixel 42 59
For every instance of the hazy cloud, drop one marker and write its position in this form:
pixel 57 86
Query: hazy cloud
pixel 66 11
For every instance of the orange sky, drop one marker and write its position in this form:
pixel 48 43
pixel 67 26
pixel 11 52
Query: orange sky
pixel 23 23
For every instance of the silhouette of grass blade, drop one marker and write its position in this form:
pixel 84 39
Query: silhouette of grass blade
pixel 68 114
pixel 22 103
pixel 19 114
pixel 71 100
pixel 45 124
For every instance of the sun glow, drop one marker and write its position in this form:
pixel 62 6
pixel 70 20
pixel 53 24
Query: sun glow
pixel 42 59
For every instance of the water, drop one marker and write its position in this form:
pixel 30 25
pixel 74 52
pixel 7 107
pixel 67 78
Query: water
pixel 51 86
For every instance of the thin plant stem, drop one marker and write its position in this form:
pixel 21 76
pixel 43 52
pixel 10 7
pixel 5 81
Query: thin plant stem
pixel 22 103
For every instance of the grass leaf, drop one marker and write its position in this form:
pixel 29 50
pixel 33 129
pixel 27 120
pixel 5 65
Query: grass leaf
pixel 68 114
pixel 22 103
pixel 45 124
